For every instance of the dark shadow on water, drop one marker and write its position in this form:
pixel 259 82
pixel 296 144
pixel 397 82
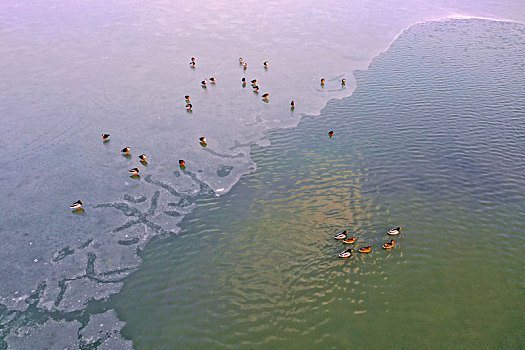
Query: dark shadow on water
pixel 143 162
pixel 135 177
pixel 106 141
pixel 203 144
pixel 79 211
pixel 128 156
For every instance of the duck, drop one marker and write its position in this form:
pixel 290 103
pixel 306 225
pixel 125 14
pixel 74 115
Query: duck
pixel 254 82
pixel 343 81
pixel 350 240
pixel 365 249
pixel 182 163
pixel 187 97
pixel 243 80
pixel 126 150
pixel 203 140
pixel 105 137
pixel 245 65
pixel 266 95
pixel 389 245
pixel 192 64
pixel 134 171
pixel 212 79
pixel 292 104
pixel 331 133
pixel 188 106
pixel 142 157
pixel 240 60
pixel 347 253
pixel 341 235
pixel 204 82
pixel 394 231
pixel 265 64
pixel 255 88
pixel 77 205
pixel 322 81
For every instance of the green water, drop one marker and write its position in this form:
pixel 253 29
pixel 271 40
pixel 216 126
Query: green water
pixel 433 141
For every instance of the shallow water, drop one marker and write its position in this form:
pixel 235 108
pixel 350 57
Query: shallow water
pixel 71 71
pixel 431 140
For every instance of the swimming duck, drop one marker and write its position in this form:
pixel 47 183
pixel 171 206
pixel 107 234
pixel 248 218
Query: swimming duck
pixel 255 88
pixel 349 240
pixel 134 171
pixel 203 140
pixel 126 150
pixel 188 106
pixel 365 249
pixel 389 245
pixel 105 137
pixel 142 157
pixel 212 79
pixel 77 205
pixel 292 104
pixel 341 235
pixel 265 64
pixel 343 81
pixel 182 163
pixel 240 60
pixel 254 82
pixel 187 97
pixel 266 95
pixel 204 82
pixel 331 133
pixel 192 64
pixel 193 59
pixel 394 231
pixel 245 65
pixel 346 253
pixel 322 81
pixel 243 80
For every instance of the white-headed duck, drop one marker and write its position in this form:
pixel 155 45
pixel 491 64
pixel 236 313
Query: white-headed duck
pixel 341 235
pixel 347 253
pixel 134 171
pixel 77 205
pixel 394 231
pixel 126 150
pixel 105 137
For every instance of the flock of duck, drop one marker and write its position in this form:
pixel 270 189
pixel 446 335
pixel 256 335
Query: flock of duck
pixel 77 206
pixel 347 239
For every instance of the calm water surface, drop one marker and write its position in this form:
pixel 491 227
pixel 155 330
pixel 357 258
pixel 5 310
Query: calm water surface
pixel 432 140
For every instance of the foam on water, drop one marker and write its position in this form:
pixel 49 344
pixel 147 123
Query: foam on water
pixel 72 72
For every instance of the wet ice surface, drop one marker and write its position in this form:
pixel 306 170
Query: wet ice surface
pixel 72 72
